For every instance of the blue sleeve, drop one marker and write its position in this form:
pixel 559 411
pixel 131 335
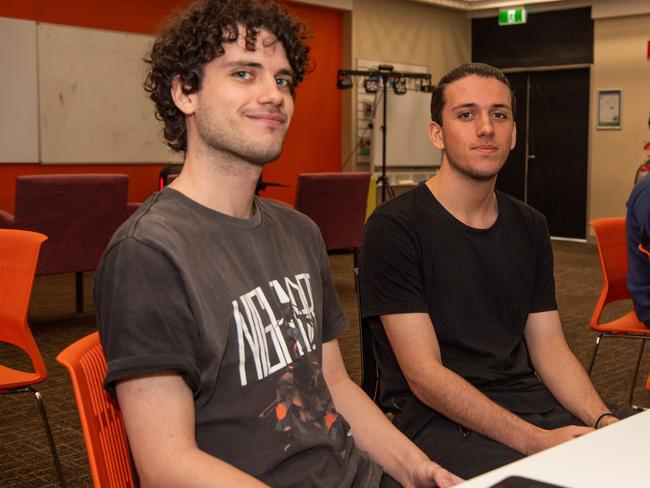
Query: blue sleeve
pixel 638 232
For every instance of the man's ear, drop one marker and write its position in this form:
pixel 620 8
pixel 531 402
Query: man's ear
pixel 513 142
pixel 436 136
pixel 185 102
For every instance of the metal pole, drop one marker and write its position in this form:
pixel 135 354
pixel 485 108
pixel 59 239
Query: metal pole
pixel 384 178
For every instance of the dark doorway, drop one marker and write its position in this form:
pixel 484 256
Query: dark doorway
pixel 512 178
pixel 548 168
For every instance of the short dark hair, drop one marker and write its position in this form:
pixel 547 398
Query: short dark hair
pixel 196 37
pixel 469 69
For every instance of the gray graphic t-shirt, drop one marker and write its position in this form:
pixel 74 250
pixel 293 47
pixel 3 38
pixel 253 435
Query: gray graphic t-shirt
pixel 240 309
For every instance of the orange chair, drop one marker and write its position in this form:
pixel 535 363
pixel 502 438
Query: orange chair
pixel 101 419
pixel 19 251
pixel 647 384
pixel 610 236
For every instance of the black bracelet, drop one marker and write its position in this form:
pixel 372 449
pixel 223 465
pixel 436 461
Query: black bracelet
pixel 606 414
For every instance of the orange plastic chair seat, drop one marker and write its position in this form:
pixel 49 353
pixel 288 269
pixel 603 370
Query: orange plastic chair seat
pixel 627 324
pixel 13 378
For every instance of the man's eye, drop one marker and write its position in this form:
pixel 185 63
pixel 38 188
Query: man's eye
pixel 465 115
pixel 500 115
pixel 283 82
pixel 244 75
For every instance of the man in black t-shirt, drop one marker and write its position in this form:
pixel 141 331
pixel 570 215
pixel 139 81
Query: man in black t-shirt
pixel 216 310
pixel 457 286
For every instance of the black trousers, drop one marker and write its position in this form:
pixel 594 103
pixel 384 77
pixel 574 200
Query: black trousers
pixel 468 454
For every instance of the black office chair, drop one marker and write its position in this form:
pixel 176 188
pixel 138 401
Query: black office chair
pixel 369 370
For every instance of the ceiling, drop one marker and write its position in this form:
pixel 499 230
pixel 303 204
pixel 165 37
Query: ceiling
pixel 476 5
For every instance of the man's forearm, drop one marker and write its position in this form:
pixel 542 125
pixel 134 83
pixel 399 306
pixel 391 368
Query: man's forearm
pixel 374 433
pixel 569 383
pixel 195 469
pixel 452 396
pixel 560 370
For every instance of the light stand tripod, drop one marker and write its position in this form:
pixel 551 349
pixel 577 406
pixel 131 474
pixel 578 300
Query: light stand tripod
pixel 387 75
pixel 383 179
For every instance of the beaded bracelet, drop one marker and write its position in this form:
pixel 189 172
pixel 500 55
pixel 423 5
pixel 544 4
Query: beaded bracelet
pixel 606 414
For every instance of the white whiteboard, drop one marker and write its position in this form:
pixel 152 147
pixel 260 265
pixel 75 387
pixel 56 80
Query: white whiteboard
pixel 18 92
pixel 407 141
pixel 93 108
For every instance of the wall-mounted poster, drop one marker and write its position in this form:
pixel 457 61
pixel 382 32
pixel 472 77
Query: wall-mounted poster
pixel 609 109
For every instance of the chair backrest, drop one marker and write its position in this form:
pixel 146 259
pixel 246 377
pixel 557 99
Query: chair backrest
pixel 369 370
pixel 101 419
pixel 19 251
pixel 78 212
pixel 610 237
pixel 337 203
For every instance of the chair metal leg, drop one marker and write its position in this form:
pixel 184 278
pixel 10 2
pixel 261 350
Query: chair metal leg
pixel 593 357
pixel 48 432
pixel 636 372
pixel 79 285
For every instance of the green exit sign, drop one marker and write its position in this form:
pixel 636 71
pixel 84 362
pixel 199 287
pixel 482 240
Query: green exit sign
pixel 512 16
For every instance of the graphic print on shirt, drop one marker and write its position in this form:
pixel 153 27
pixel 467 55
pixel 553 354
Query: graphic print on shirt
pixel 272 339
pixel 276 331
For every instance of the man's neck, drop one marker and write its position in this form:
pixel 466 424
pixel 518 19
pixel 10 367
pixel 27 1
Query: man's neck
pixel 471 201
pixel 220 182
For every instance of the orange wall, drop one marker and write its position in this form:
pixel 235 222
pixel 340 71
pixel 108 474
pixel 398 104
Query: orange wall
pixel 142 16
pixel 314 140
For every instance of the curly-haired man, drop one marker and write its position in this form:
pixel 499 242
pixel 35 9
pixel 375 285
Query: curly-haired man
pixel 217 310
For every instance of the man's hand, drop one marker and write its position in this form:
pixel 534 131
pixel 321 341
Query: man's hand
pixel 428 473
pixel 549 438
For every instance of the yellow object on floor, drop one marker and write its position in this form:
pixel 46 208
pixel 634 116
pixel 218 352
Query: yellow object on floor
pixel 372 197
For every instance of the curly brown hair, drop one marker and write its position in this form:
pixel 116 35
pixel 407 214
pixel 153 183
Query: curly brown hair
pixel 196 37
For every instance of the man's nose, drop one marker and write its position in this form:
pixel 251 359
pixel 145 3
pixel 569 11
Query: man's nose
pixel 270 92
pixel 485 125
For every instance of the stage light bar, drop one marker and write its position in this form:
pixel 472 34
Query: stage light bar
pixel 344 81
pixel 371 84
pixel 399 86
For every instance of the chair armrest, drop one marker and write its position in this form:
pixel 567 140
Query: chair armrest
pixel 7 221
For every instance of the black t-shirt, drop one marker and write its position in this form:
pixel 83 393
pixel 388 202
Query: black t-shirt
pixel 240 309
pixel 477 285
